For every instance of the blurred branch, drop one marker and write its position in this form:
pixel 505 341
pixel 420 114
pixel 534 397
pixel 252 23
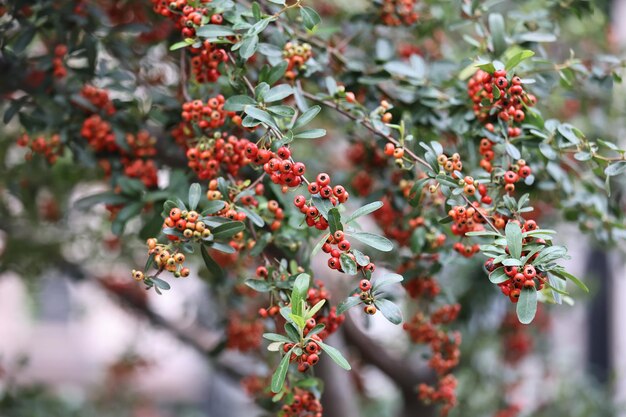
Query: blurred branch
pixel 398 370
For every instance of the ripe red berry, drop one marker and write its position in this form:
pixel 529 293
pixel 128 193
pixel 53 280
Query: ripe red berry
pixel 323 179
pixel 344 245
pixel 365 285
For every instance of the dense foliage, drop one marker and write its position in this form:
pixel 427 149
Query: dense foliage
pixel 268 138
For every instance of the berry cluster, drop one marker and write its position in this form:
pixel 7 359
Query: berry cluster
pixel 164 260
pixel 243 335
pixel 327 317
pixel 365 286
pixel 303 404
pixel 58 68
pixel 519 171
pixel 466 219
pixel 206 60
pixel 144 170
pixel 99 134
pixel 497 96
pixel 281 168
pixel 310 350
pixel 444 393
pixel 399 12
pixel 185 14
pixel 209 115
pixel 187 223
pixel 342 246
pixel 296 56
pixel 50 148
pixel 485 149
pixel 142 144
pixel 422 287
pixel 222 152
pixel 450 164
pixel 526 276
pixel 99 98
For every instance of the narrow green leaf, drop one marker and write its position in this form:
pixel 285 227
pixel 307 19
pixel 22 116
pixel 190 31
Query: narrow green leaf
pixel 259 285
pixel 515 60
pixel 364 211
pixel 335 355
pixel 310 134
pixel 514 239
pixel 278 92
pixel 238 103
pixel 375 241
pixel 334 220
pixel 227 230
pixel 275 337
pixel 310 18
pixel 347 264
pixel 299 293
pixel 261 115
pixel 386 280
pixel 496 27
pixel 278 379
pixel 390 310
pixel 527 305
pixel 307 116
pixel 347 304
pixel 195 191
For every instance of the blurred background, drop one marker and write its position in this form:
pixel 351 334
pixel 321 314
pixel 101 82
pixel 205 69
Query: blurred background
pixel 79 337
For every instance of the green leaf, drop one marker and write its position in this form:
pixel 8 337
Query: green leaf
pixel 259 285
pixel 615 168
pixel 307 116
pixel 361 259
pixel 375 241
pixel 299 293
pixel 238 103
pixel 125 214
pixel 261 115
pixel 227 230
pixel 248 46
pixel 514 239
pixel 364 211
pixel 278 379
pixel 277 72
pixel 179 45
pixel 567 275
pixel 496 27
pixel 334 220
pixel 253 216
pixel 212 266
pixel 108 197
pixel 214 31
pixel 279 92
pixel 347 264
pixel 512 151
pixel 527 305
pixel 310 18
pixel 315 308
pixel 275 337
pixel 286 112
pixel 335 355
pixel 298 320
pixel 195 191
pixel 515 60
pixel 213 207
pixel 162 284
pixel 390 310
pixel 386 280
pixel 498 276
pixel 347 304
pixel 310 134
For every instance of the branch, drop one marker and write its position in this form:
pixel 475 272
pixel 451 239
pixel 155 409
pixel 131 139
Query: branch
pixel 365 123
